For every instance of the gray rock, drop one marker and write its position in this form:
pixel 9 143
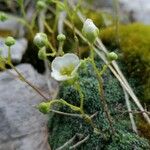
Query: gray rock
pixel 136 10
pixel 13 26
pixel 103 3
pixel 17 50
pixel 22 126
pixel 129 11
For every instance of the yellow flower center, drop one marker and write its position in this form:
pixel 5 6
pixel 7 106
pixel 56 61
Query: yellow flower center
pixel 67 70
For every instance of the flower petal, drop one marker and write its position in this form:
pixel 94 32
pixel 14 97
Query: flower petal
pixel 57 76
pixel 63 62
pixel 67 59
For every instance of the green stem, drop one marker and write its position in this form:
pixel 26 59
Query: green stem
pixel 55 25
pixel 22 78
pixel 9 54
pixel 75 108
pixel 60 49
pixel 104 69
pixel 71 16
pixel 22 9
pixel 48 27
pixel 101 89
pixel 24 19
pixel 51 54
pixel 66 114
pixel 78 88
pixel 51 47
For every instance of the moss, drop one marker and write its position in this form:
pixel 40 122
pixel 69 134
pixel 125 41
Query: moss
pixel 143 128
pixel 134 44
pixel 63 128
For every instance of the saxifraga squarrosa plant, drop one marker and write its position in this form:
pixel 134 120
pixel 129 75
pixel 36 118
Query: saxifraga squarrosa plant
pixel 81 110
pixel 63 128
pixel 81 117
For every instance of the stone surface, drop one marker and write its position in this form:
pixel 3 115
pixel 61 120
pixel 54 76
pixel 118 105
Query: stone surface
pixel 103 3
pixel 22 126
pixel 17 50
pixel 129 10
pixel 13 26
pixel 137 10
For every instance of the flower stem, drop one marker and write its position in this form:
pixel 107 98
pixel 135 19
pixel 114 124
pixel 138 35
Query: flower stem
pixel 78 88
pixel 9 54
pixel 66 114
pixel 60 49
pixel 101 90
pixel 22 78
pixel 51 47
pixel 75 108
pixel 48 27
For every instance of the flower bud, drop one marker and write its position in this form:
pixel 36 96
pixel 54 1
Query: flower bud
pixel 61 37
pixel 3 17
pixel 9 41
pixel 90 31
pixel 40 5
pixel 42 54
pixel 40 40
pixel 44 107
pixel 112 56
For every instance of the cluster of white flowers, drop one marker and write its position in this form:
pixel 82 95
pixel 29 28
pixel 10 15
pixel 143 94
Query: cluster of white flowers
pixel 65 67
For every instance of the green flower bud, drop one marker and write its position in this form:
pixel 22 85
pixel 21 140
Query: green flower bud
pixel 40 5
pixel 61 37
pixel 90 31
pixel 40 40
pixel 9 41
pixel 44 107
pixel 3 17
pixel 42 54
pixel 112 56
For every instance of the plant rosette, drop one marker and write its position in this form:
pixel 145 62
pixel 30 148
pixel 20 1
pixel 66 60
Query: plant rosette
pixel 65 67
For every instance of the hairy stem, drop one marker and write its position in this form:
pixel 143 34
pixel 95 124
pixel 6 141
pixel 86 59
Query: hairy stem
pixel 22 78
pixel 9 54
pixel 78 88
pixel 101 89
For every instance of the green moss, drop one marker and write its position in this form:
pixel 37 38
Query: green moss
pixel 134 44
pixel 63 128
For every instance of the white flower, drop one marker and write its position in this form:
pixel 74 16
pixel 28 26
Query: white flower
pixel 65 67
pixel 90 31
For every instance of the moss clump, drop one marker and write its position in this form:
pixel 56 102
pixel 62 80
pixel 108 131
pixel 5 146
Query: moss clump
pixel 134 43
pixel 63 128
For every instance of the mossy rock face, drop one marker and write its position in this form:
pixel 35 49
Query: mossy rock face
pixel 134 44
pixel 62 128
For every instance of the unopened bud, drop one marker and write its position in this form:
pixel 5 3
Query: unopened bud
pixel 42 54
pixel 90 31
pixel 3 17
pixel 9 41
pixel 61 37
pixel 40 40
pixel 44 107
pixel 40 5
pixel 112 56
